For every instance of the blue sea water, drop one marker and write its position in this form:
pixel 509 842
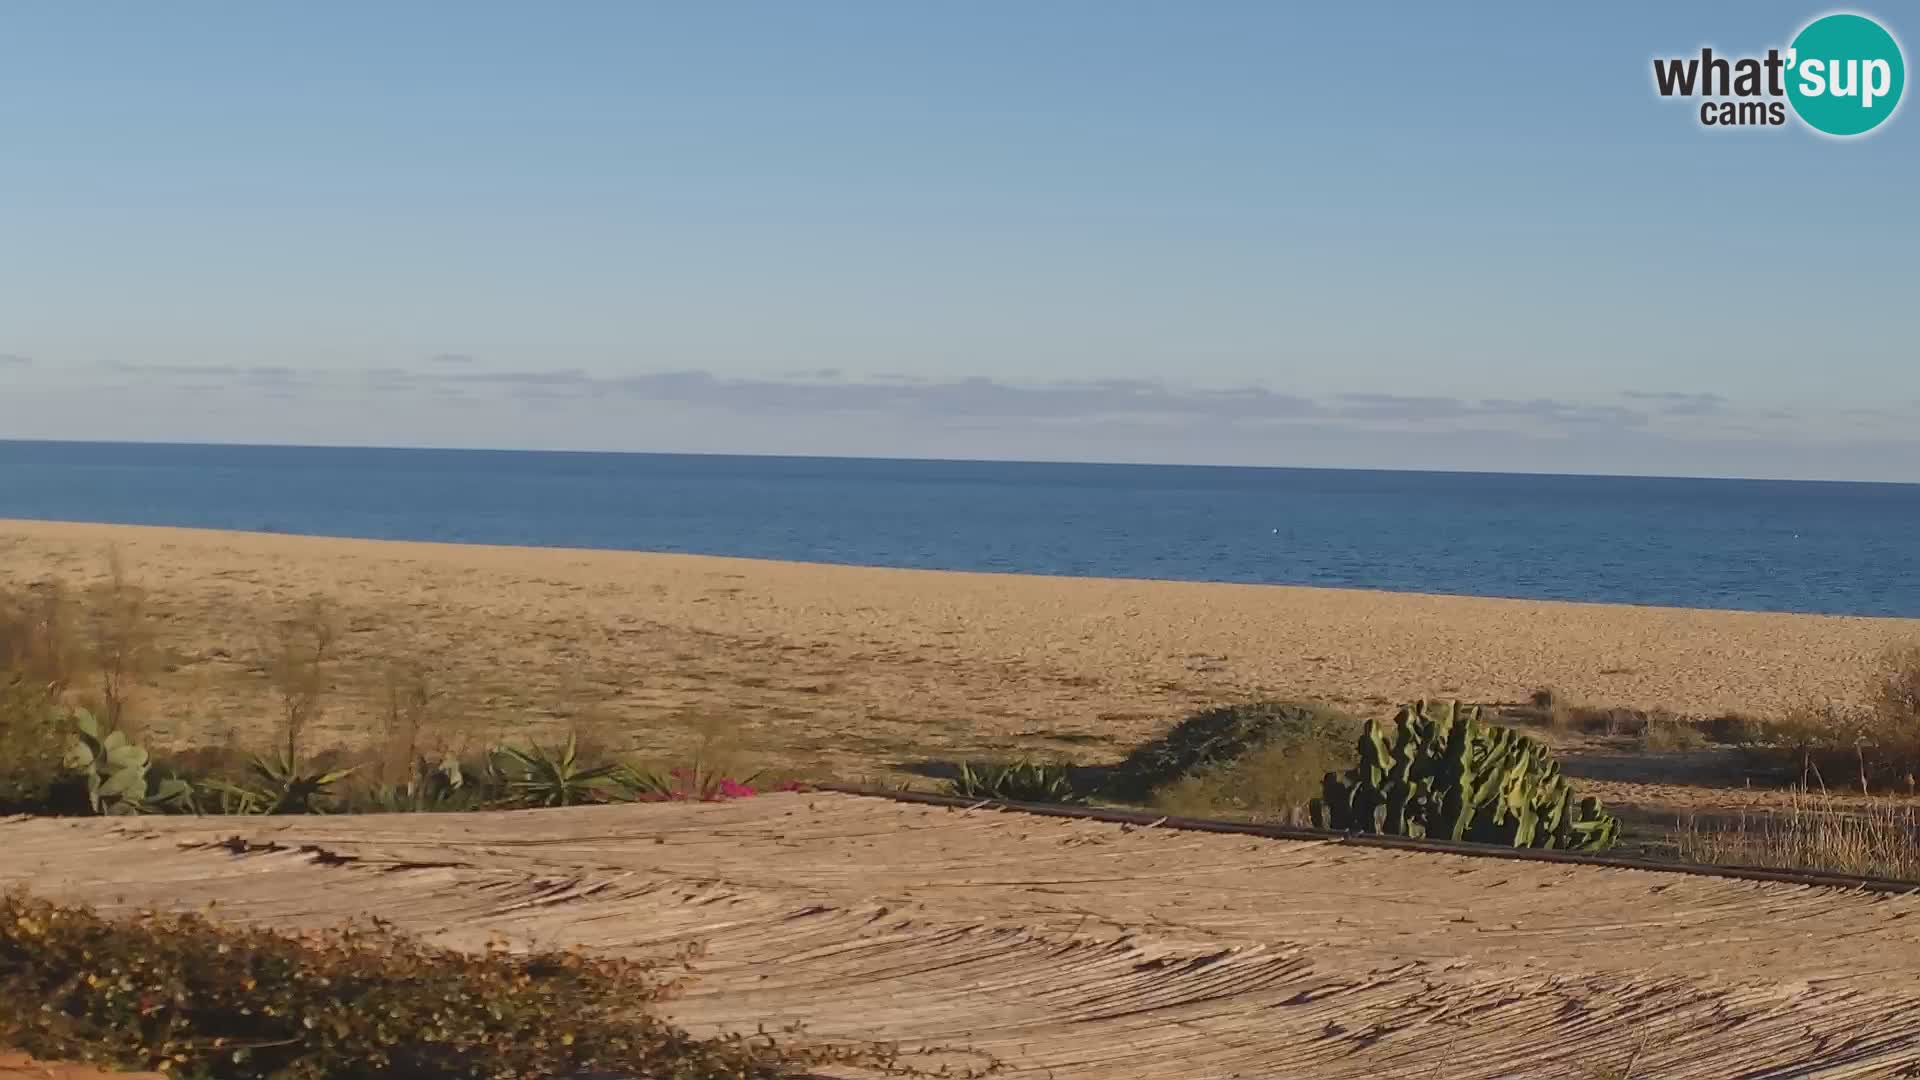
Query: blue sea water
pixel 1840 548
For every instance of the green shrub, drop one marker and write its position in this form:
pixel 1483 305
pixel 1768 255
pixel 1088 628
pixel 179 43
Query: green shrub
pixel 1276 782
pixel 277 785
pixel 1025 780
pixel 31 750
pixel 1207 742
pixel 1446 774
pixel 180 994
pixel 117 773
pixel 538 776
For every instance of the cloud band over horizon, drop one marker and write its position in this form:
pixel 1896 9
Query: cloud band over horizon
pixel 458 399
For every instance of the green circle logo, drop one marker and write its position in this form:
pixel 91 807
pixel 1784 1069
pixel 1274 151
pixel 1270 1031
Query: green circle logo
pixel 1845 74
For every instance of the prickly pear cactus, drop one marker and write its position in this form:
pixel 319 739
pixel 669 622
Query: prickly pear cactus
pixel 1442 772
pixel 116 772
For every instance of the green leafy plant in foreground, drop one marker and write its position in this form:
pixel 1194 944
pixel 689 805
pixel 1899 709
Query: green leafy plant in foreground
pixel 279 785
pixel 538 776
pixel 181 994
pixel 1446 774
pixel 1025 780
pixel 116 772
pixel 433 786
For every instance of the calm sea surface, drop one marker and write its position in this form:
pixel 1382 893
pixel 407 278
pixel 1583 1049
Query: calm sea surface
pixel 1759 545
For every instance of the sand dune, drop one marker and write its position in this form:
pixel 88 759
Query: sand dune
pixel 851 667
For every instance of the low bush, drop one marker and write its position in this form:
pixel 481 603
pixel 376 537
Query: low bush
pixel 1262 762
pixel 1025 780
pixel 1274 783
pixel 1665 733
pixel 32 750
pixel 1216 748
pixel 182 995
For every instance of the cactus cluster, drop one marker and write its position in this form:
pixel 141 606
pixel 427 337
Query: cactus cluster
pixel 115 771
pixel 1445 774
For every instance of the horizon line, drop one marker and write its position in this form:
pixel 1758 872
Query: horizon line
pixel 4 441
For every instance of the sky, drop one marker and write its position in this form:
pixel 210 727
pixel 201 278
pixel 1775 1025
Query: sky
pixel 1350 235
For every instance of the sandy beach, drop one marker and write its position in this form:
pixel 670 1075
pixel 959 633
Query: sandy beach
pixel 852 667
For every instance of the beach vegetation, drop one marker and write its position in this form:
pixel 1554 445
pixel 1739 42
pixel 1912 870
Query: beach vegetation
pixel 119 636
pixel 1665 733
pixel 1025 780
pixel 536 775
pixel 181 995
pixel 1552 708
pixel 1220 736
pixel 1814 830
pixel 1261 761
pixel 278 784
pixel 301 670
pixel 32 750
pixel 1873 746
pixel 116 771
pixel 1442 772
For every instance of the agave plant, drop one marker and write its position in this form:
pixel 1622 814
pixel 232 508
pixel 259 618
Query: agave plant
pixel 1025 780
pixel 283 786
pixel 691 783
pixel 433 787
pixel 116 772
pixel 538 776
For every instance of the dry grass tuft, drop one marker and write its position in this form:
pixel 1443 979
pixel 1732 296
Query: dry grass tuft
pixel 40 639
pixel 1554 709
pixel 120 636
pixel 301 669
pixel 1875 747
pixel 1665 733
pixel 1813 832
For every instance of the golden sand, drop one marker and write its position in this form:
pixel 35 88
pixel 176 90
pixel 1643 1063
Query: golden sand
pixel 857 666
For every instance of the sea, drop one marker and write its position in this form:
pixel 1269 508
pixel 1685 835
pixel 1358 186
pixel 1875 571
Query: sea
pixel 1759 545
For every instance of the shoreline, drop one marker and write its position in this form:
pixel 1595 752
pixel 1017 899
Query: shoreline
pixel 871 667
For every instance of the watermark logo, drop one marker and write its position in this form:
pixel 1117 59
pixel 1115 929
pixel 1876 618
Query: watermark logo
pixel 1842 75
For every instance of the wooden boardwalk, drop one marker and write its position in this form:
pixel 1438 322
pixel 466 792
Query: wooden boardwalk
pixel 1077 949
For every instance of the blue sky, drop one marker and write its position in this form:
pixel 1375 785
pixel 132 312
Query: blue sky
pixel 1385 235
